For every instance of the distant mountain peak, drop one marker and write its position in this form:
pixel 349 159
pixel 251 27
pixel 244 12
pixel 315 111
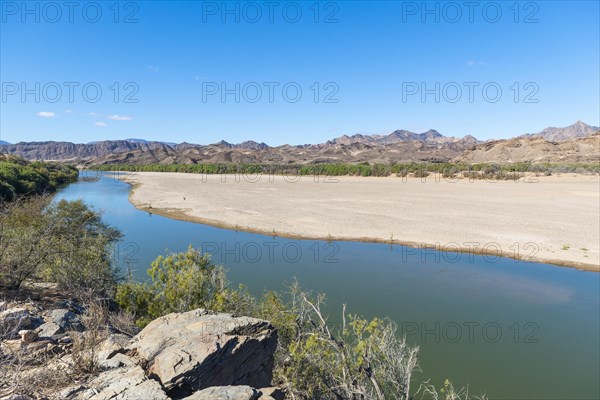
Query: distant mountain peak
pixel 252 145
pixel 554 134
pixel 224 143
pixel 433 132
pixel 134 140
pixel 248 144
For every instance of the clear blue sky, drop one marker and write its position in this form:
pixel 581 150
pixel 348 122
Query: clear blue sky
pixel 372 56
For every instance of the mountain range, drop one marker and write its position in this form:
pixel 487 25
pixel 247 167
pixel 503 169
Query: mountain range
pixel 570 144
pixel 431 136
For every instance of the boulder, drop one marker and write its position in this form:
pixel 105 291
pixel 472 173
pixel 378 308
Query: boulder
pixel 66 319
pixel 198 349
pixel 225 393
pixel 40 344
pixel 271 393
pixel 49 329
pixel 28 336
pixel 117 361
pixel 112 345
pixel 123 384
pixel 13 320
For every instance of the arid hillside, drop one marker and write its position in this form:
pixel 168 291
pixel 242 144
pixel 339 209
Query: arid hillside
pixel 524 149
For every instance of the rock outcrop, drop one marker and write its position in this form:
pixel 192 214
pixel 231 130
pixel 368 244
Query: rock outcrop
pixel 226 393
pixel 66 320
pixel 201 354
pixel 122 383
pixel 198 349
pixel 12 320
pixel 193 355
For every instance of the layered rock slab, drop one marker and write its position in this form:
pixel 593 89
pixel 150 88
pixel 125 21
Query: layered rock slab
pixel 188 352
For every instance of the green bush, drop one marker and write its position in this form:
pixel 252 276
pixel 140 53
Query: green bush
pixel 137 299
pixel 82 249
pixel 181 282
pixel 19 177
pixel 421 173
pixel 64 242
pixel 361 360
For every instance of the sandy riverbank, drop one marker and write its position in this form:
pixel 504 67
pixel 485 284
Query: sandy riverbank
pixel 547 219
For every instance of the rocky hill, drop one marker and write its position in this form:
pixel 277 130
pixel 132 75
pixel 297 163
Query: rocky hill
pixel 536 149
pixel 67 151
pixel 578 130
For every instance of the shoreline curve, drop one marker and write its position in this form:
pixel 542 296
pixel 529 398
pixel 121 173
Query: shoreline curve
pixel 183 214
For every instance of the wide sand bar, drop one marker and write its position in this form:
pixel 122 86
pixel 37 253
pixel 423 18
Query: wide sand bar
pixel 553 219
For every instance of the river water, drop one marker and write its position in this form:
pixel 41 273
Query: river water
pixel 511 329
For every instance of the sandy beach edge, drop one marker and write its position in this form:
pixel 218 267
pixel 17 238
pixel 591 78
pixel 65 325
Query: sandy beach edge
pixel 181 215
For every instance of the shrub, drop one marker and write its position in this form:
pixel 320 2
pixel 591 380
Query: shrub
pixel 402 173
pixel 187 280
pixel 64 242
pixel 83 244
pixel 86 344
pixel 447 392
pixel 362 359
pixel 181 282
pixel 421 173
pixel 450 171
pixel 26 240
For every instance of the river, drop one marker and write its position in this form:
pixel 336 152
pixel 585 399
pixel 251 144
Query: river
pixel 511 329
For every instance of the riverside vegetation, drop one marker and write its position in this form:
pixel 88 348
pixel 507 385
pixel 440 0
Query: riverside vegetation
pixel 67 245
pixel 19 177
pixel 417 169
